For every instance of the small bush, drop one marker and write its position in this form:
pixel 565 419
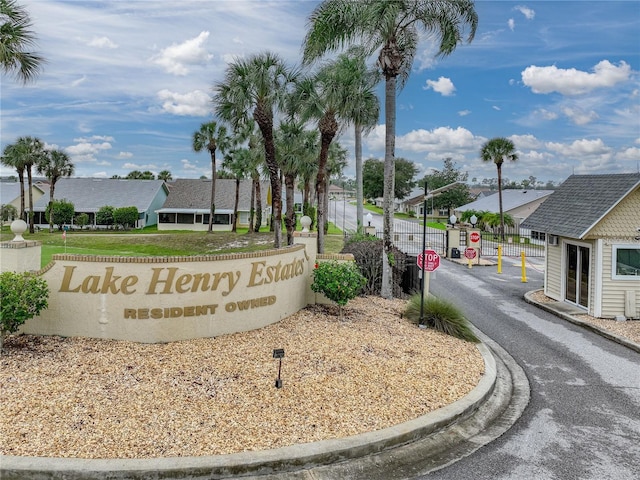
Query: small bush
pixel 22 296
pixel 367 251
pixel 338 281
pixel 441 315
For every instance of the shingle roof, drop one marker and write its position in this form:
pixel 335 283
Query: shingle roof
pixel 196 194
pixel 581 202
pixel 510 199
pixel 9 191
pixel 90 194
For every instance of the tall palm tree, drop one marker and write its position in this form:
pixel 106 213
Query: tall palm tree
pixel 54 165
pixel 212 136
pixel 497 150
pixel 256 88
pixel 393 29
pixel 362 110
pixel 16 38
pixel 23 155
pixel 237 161
pixel 296 147
pixel 323 96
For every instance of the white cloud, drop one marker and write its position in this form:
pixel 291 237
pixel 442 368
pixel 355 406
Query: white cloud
pixel 525 141
pixel 580 148
pixel 545 114
pixel 86 149
pixel 495 107
pixel 79 81
pixel 512 24
pixel 176 58
pixel 440 139
pixel 631 154
pixel 464 113
pixel 196 103
pixel 579 116
pixel 125 155
pixel 526 11
pixel 102 42
pixel 572 81
pixel 443 86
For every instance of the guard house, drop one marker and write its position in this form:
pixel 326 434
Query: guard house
pixel 592 259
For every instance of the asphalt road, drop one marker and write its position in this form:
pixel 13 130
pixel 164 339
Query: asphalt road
pixel 583 420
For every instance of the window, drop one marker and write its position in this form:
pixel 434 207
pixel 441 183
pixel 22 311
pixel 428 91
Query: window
pixel 626 259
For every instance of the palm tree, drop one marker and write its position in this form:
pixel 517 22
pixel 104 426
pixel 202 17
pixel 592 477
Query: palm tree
pixel 394 29
pixel 15 40
pixel 54 165
pixel 237 161
pixel 256 88
pixel 362 110
pixel 165 175
pixel 497 150
pixel 296 147
pixel 23 155
pixel 212 137
pixel 324 97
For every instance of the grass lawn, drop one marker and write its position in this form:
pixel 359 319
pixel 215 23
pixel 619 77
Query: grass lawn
pixel 150 242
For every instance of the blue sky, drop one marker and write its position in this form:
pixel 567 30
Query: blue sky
pixel 128 82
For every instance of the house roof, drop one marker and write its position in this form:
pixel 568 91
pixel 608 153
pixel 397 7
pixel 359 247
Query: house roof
pixel 580 203
pixel 9 191
pixel 90 194
pixel 511 199
pixel 194 195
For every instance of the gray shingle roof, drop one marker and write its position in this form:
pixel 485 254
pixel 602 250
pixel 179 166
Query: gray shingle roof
pixel 89 194
pixel 196 194
pixel 510 199
pixel 581 202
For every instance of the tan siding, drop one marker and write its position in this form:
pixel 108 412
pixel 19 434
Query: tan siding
pixel 622 221
pixel 613 291
pixel 553 271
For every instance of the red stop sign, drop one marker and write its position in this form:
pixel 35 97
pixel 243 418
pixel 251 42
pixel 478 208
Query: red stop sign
pixel 474 237
pixel 470 253
pixel 429 260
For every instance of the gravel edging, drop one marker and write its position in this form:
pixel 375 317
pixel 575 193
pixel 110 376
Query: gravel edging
pixel 259 462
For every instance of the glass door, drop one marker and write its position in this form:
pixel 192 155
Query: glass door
pixel 577 275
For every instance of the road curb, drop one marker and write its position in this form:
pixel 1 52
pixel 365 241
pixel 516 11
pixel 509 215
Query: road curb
pixel 570 318
pixel 282 460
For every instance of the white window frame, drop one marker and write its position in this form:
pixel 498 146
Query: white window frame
pixel 614 256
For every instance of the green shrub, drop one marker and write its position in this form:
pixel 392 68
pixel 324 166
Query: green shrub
pixel 367 251
pixel 440 315
pixel 338 281
pixel 22 296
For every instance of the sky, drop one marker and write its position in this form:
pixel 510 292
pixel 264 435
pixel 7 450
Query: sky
pixel 127 83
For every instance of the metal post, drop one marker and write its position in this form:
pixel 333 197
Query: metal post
pixel 424 247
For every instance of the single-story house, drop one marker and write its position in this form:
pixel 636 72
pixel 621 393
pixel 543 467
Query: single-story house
pixel 88 195
pixel 10 194
pixel 592 259
pixel 519 204
pixel 188 205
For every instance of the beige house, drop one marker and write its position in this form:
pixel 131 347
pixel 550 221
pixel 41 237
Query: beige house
pixel 592 229
pixel 10 194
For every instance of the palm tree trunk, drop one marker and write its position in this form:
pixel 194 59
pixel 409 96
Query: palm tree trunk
pixel 234 227
pixel 266 128
pixel 52 188
pixel 359 183
pixel 252 202
pixel 290 218
pixel 21 180
pixel 30 183
pixel 386 290
pixel 500 202
pixel 259 206
pixel 213 191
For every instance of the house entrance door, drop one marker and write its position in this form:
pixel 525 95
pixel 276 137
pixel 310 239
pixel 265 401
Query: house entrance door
pixel 577 275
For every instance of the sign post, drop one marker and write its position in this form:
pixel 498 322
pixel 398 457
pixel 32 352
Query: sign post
pixel 470 254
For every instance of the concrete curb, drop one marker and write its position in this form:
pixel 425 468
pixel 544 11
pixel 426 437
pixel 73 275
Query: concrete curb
pixel 287 459
pixel 570 318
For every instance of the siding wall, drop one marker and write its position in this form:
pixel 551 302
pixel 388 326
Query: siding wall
pixel 613 291
pixel 621 222
pixel 553 270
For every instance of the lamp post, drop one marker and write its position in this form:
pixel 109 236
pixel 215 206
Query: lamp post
pixel 369 218
pixel 424 247
pixel 473 221
pixel 453 219
pixel 369 230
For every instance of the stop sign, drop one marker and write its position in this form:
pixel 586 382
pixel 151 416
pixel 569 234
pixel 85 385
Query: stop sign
pixel 474 237
pixel 470 253
pixel 429 260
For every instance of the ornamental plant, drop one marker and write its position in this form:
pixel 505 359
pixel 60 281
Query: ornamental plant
pixel 22 296
pixel 338 281
pixel 441 315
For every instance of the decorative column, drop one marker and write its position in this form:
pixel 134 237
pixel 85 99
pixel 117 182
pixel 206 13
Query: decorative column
pixel 20 255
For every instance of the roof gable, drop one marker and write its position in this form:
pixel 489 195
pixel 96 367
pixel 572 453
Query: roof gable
pixel 581 202
pixel 511 199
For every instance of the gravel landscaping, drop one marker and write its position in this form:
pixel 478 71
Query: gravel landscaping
pixel 86 398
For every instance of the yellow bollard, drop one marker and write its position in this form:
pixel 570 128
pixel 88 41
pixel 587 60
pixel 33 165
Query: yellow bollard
pixel 469 262
pixel 499 258
pixel 524 269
